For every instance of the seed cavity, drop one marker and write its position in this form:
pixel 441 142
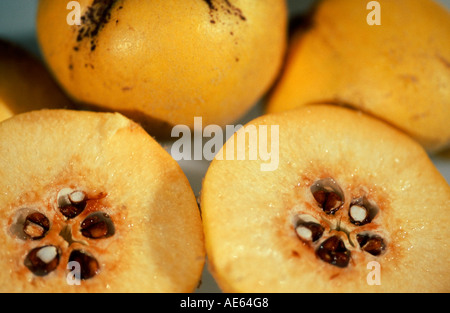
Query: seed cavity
pixel 362 211
pixel 308 228
pixel 89 266
pixel 71 203
pixel 334 252
pixel 97 225
pixel 328 195
pixel 29 223
pixel 333 238
pixel 42 260
pixel 36 225
pixel 370 243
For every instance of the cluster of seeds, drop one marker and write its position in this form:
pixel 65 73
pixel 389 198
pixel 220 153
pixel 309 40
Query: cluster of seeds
pixel 70 203
pixel 329 199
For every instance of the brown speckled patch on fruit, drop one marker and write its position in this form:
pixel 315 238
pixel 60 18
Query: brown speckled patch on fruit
pixel 95 18
pixel 223 7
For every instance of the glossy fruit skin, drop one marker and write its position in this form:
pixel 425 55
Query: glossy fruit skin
pixel 397 71
pixel 168 60
pixel 25 83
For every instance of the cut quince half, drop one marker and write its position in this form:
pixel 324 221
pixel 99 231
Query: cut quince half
pixel 353 206
pixel 91 203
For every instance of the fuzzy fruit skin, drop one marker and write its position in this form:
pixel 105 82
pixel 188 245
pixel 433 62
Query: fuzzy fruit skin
pixel 25 83
pixel 250 240
pixel 398 71
pixel 169 60
pixel 158 241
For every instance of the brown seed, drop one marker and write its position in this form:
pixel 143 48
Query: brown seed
pixel 333 251
pixel 71 203
pixel 89 266
pixel 309 231
pixel 42 260
pixel 328 195
pixel 36 225
pixel 71 211
pixel 97 225
pixel 329 201
pixel 372 244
